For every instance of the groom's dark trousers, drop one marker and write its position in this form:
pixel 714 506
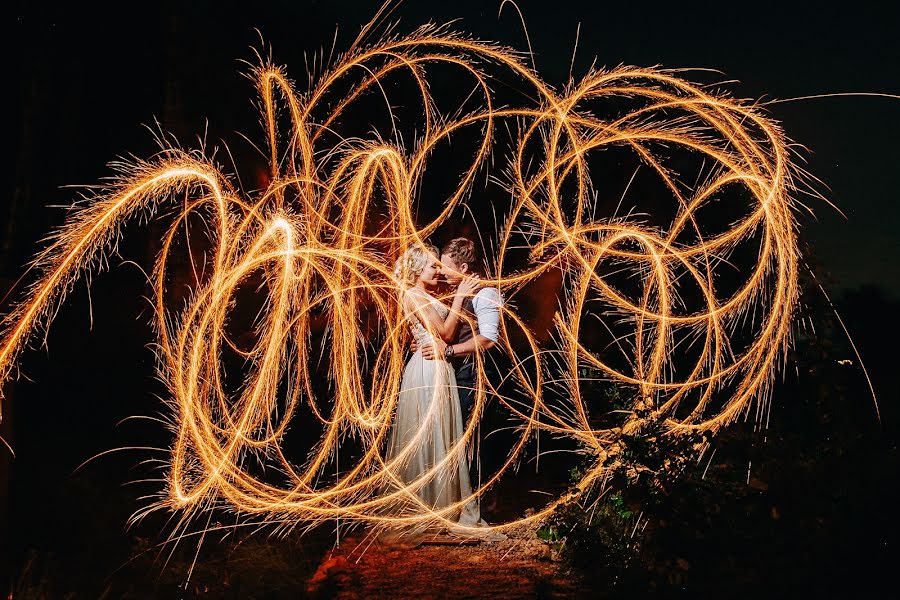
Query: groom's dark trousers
pixel 465 384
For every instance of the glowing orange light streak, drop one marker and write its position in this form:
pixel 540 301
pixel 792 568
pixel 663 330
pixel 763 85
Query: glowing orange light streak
pixel 316 262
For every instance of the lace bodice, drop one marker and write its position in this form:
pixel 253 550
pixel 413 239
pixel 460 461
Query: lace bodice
pixel 419 332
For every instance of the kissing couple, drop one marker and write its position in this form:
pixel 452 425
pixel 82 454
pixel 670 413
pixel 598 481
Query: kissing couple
pixel 427 455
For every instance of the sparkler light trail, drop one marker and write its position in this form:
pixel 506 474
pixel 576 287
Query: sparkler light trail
pixel 338 209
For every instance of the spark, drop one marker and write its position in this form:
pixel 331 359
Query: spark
pixel 308 236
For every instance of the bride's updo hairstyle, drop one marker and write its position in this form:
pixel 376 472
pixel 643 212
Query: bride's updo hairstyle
pixel 411 264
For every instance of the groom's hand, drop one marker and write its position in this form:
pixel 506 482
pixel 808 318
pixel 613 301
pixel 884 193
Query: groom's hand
pixel 428 351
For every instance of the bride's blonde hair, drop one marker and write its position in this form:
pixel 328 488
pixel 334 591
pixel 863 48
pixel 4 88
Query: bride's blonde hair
pixel 411 264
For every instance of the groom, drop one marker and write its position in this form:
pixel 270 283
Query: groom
pixel 458 259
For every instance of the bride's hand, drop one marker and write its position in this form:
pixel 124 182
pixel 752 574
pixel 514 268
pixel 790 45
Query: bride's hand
pixel 434 350
pixel 469 285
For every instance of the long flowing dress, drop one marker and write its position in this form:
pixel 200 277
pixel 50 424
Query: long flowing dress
pixel 427 426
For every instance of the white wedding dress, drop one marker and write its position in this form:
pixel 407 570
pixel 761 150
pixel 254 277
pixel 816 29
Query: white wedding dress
pixel 424 444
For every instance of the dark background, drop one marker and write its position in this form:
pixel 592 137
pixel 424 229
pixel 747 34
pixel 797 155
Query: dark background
pixel 83 78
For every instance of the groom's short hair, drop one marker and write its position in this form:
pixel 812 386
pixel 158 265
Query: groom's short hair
pixel 462 250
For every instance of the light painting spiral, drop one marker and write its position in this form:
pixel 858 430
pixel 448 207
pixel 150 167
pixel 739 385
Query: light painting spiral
pixel 339 208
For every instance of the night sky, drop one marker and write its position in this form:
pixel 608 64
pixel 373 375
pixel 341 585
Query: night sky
pixel 85 79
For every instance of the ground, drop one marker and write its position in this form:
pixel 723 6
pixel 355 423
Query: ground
pixel 521 566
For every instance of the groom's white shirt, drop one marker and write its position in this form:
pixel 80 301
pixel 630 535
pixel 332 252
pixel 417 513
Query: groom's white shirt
pixel 486 305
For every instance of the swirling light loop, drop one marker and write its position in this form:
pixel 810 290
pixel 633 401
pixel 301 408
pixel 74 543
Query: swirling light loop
pixel 309 236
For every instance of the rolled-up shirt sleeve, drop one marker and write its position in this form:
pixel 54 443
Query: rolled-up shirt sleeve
pixel 486 305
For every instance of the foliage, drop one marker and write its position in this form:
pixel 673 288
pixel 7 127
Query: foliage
pixel 796 505
pixel 602 533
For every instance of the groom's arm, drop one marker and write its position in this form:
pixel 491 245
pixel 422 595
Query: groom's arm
pixel 487 305
pixel 477 342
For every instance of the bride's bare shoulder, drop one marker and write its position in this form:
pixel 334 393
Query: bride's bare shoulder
pixel 417 292
pixel 413 297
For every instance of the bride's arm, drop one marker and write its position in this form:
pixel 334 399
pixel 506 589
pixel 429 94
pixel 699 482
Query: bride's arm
pixel 444 329
pixel 419 308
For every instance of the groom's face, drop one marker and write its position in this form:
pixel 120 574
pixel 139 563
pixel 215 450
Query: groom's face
pixel 453 271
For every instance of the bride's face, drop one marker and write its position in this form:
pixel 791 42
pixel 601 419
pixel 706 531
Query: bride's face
pixel 430 274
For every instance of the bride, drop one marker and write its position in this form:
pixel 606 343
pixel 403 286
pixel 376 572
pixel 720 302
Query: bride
pixel 425 454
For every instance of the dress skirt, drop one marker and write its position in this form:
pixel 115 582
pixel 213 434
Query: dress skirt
pixel 425 452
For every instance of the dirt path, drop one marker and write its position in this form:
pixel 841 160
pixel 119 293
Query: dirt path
pixel 519 567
